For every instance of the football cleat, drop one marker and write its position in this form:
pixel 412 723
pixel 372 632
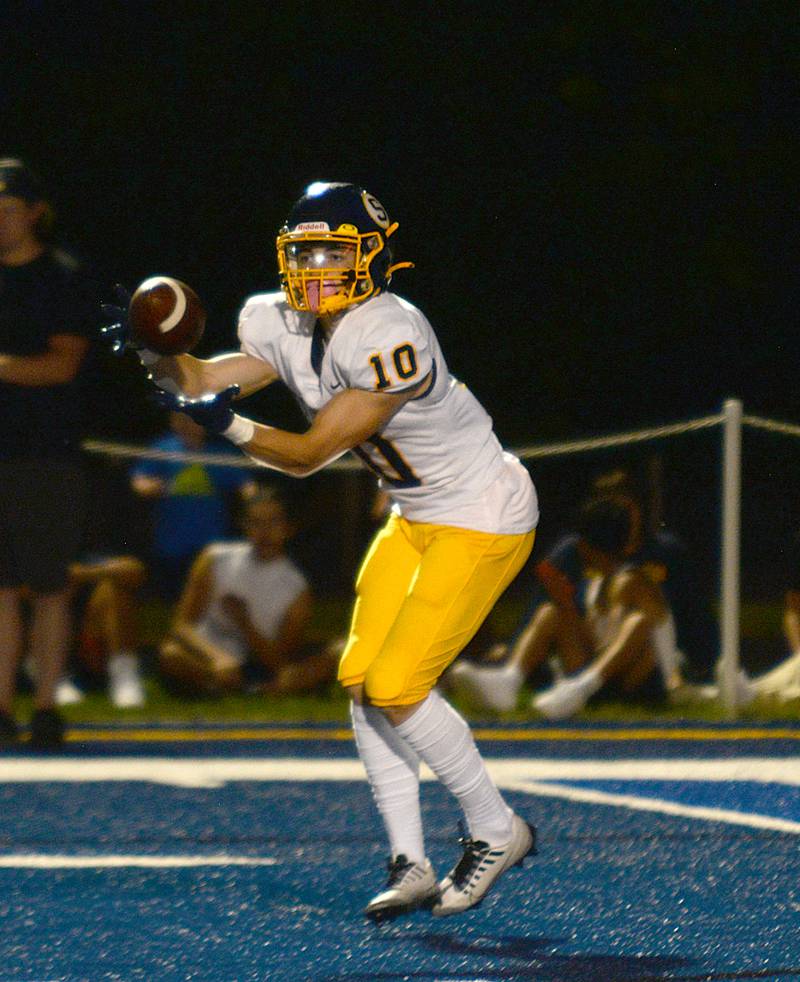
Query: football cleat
pixel 409 886
pixel 480 866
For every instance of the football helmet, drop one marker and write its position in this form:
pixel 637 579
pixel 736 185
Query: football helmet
pixel 333 250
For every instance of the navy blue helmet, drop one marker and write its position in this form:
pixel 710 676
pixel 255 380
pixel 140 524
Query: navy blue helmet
pixel 334 250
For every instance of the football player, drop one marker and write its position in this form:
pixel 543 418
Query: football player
pixel 367 369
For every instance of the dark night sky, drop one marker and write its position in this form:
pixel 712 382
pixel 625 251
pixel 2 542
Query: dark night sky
pixel 601 198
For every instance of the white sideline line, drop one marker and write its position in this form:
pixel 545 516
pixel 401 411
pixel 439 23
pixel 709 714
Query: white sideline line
pixel 645 804
pixel 519 774
pixel 205 772
pixel 41 861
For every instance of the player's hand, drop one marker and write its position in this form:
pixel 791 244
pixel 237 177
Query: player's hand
pixel 117 330
pixel 212 411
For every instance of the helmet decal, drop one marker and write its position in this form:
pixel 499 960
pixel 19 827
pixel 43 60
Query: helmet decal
pixel 375 209
pixel 312 227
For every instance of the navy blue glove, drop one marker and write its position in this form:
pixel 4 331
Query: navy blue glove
pixel 213 411
pixel 117 331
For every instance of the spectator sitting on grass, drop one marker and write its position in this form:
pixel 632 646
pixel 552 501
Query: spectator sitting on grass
pixel 241 623
pixel 104 604
pixel 606 622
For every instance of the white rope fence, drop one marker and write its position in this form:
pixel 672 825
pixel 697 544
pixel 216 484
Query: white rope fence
pixel 772 425
pixel 129 451
pixel 732 419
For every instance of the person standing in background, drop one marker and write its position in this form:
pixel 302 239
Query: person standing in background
pixel 48 312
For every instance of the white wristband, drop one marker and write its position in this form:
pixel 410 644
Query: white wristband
pixel 240 431
pixel 148 358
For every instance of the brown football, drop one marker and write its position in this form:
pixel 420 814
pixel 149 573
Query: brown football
pixel 166 316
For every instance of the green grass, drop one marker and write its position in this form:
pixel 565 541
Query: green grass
pixel 760 621
pixel 331 706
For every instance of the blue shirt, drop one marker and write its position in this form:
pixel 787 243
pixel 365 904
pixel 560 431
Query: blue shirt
pixel 194 510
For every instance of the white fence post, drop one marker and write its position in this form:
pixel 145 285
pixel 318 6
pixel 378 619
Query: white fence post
pixel 731 527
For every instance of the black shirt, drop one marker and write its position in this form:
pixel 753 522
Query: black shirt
pixel 50 295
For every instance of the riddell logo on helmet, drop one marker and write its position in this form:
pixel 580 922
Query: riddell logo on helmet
pixel 312 227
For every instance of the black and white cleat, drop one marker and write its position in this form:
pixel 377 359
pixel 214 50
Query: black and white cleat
pixel 479 868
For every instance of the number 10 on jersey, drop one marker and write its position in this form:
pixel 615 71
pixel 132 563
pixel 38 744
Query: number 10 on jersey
pixel 404 361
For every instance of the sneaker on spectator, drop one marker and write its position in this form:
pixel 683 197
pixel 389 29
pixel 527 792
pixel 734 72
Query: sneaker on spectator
pixel 125 689
pixel 67 693
pixel 777 681
pixel 569 696
pixel 493 687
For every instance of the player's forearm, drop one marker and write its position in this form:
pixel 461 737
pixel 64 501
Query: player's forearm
pixel 185 372
pixel 196 377
pixel 298 454
pixel 347 420
pixel 36 370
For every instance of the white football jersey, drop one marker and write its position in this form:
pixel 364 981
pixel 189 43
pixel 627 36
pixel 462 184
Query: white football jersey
pixel 438 457
pixel 268 588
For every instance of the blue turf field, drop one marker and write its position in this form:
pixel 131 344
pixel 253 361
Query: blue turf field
pixel 671 857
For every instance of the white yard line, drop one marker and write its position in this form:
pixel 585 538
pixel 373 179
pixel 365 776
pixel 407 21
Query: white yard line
pixel 209 772
pixel 544 778
pixel 644 804
pixel 44 861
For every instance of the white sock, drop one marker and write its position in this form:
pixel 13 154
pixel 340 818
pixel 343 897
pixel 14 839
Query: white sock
pixel 444 741
pixel 393 771
pixel 123 659
pixel 664 639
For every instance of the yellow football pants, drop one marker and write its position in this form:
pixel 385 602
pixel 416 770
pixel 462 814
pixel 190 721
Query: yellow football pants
pixel 421 594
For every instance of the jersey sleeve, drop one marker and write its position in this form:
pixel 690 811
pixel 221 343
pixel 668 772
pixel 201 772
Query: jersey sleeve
pixel 387 356
pixel 260 327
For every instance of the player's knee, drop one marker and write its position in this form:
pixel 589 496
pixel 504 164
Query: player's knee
pixel 353 663
pixel 383 685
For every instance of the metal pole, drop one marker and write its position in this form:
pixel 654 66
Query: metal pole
pixel 728 666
